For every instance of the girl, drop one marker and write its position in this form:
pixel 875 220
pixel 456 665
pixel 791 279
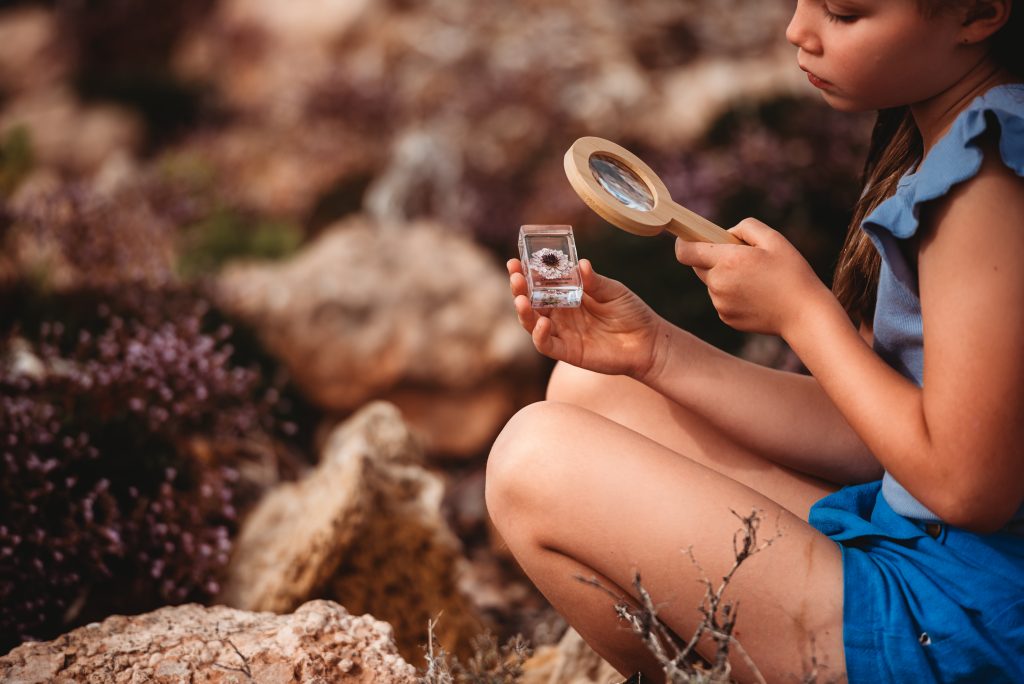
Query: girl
pixel 894 472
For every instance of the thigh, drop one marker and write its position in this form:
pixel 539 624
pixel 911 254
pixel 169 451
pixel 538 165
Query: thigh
pixel 638 407
pixel 578 484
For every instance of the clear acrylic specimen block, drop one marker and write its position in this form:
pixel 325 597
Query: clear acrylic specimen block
pixel 552 275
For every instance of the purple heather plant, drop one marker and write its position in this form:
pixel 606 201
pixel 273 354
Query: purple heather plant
pixel 119 487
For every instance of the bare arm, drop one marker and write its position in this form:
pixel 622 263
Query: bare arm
pixel 956 443
pixel 785 416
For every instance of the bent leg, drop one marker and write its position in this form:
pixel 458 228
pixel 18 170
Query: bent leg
pixel 638 407
pixel 574 493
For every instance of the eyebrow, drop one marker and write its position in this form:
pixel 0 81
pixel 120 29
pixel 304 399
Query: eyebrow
pixel 852 6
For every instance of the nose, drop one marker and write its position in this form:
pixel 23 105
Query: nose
pixel 801 31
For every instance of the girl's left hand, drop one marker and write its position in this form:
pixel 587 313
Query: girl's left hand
pixel 762 286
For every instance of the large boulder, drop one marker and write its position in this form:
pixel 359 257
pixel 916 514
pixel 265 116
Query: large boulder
pixel 418 315
pixel 320 642
pixel 365 529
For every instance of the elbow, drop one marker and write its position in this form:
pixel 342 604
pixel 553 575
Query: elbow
pixel 981 522
pixel 981 512
pixel 979 496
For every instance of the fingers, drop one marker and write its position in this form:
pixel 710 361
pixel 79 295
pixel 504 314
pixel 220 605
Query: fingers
pixel 527 314
pixel 588 276
pixel 541 334
pixel 702 255
pixel 754 233
pixel 516 279
pixel 529 317
pixel 545 341
pixel 538 325
pixel 540 328
pixel 594 284
pixel 597 286
pixel 707 255
pixel 517 283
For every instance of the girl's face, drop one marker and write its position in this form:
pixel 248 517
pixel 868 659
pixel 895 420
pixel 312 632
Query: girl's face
pixel 875 54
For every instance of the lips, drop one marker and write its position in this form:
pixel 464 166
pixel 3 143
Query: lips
pixel 815 80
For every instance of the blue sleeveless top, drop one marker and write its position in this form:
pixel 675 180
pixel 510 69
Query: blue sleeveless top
pixel 898 337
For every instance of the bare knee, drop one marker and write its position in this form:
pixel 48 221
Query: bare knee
pixel 523 468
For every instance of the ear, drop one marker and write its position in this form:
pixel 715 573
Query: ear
pixel 983 18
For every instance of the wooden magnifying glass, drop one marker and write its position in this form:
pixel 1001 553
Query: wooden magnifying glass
pixel 625 192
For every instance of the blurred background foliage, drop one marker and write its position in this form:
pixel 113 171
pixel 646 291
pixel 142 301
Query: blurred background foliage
pixel 146 144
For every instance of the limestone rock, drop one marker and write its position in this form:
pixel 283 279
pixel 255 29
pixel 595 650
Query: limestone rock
pixel 248 54
pixel 459 422
pixel 679 118
pixel 30 53
pixel 68 134
pixel 414 314
pixel 320 642
pixel 571 661
pixel 383 96
pixel 311 159
pixel 365 529
pixel 252 50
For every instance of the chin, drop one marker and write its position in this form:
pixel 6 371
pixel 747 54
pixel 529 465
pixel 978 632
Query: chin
pixel 843 104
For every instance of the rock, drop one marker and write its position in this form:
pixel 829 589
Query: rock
pixel 30 53
pixel 320 642
pixel 251 50
pixel 383 103
pixel 311 159
pixel 693 97
pixel 571 661
pixel 464 501
pixel 459 422
pixel 365 529
pixel 247 56
pixel 418 314
pixel 300 23
pixel 19 359
pixel 69 135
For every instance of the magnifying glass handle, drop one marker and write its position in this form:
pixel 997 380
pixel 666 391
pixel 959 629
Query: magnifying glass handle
pixel 695 228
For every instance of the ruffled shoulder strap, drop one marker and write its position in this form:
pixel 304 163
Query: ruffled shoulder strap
pixel 954 159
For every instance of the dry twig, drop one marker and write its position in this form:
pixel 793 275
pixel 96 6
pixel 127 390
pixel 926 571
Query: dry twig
pixel 718 618
pixel 489 664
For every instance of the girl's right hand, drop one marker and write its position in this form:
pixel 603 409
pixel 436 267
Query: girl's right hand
pixel 612 331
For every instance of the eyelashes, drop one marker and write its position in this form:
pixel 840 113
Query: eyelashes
pixel 838 18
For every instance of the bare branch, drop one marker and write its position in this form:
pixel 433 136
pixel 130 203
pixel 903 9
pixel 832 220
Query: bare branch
pixel 718 618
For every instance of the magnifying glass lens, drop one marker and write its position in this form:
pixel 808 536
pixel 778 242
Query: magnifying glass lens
pixel 620 182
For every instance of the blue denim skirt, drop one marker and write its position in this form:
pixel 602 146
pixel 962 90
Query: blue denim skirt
pixel 924 603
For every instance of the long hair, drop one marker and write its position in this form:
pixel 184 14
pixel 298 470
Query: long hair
pixel 896 146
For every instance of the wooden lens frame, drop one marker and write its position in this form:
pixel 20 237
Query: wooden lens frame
pixel 666 214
